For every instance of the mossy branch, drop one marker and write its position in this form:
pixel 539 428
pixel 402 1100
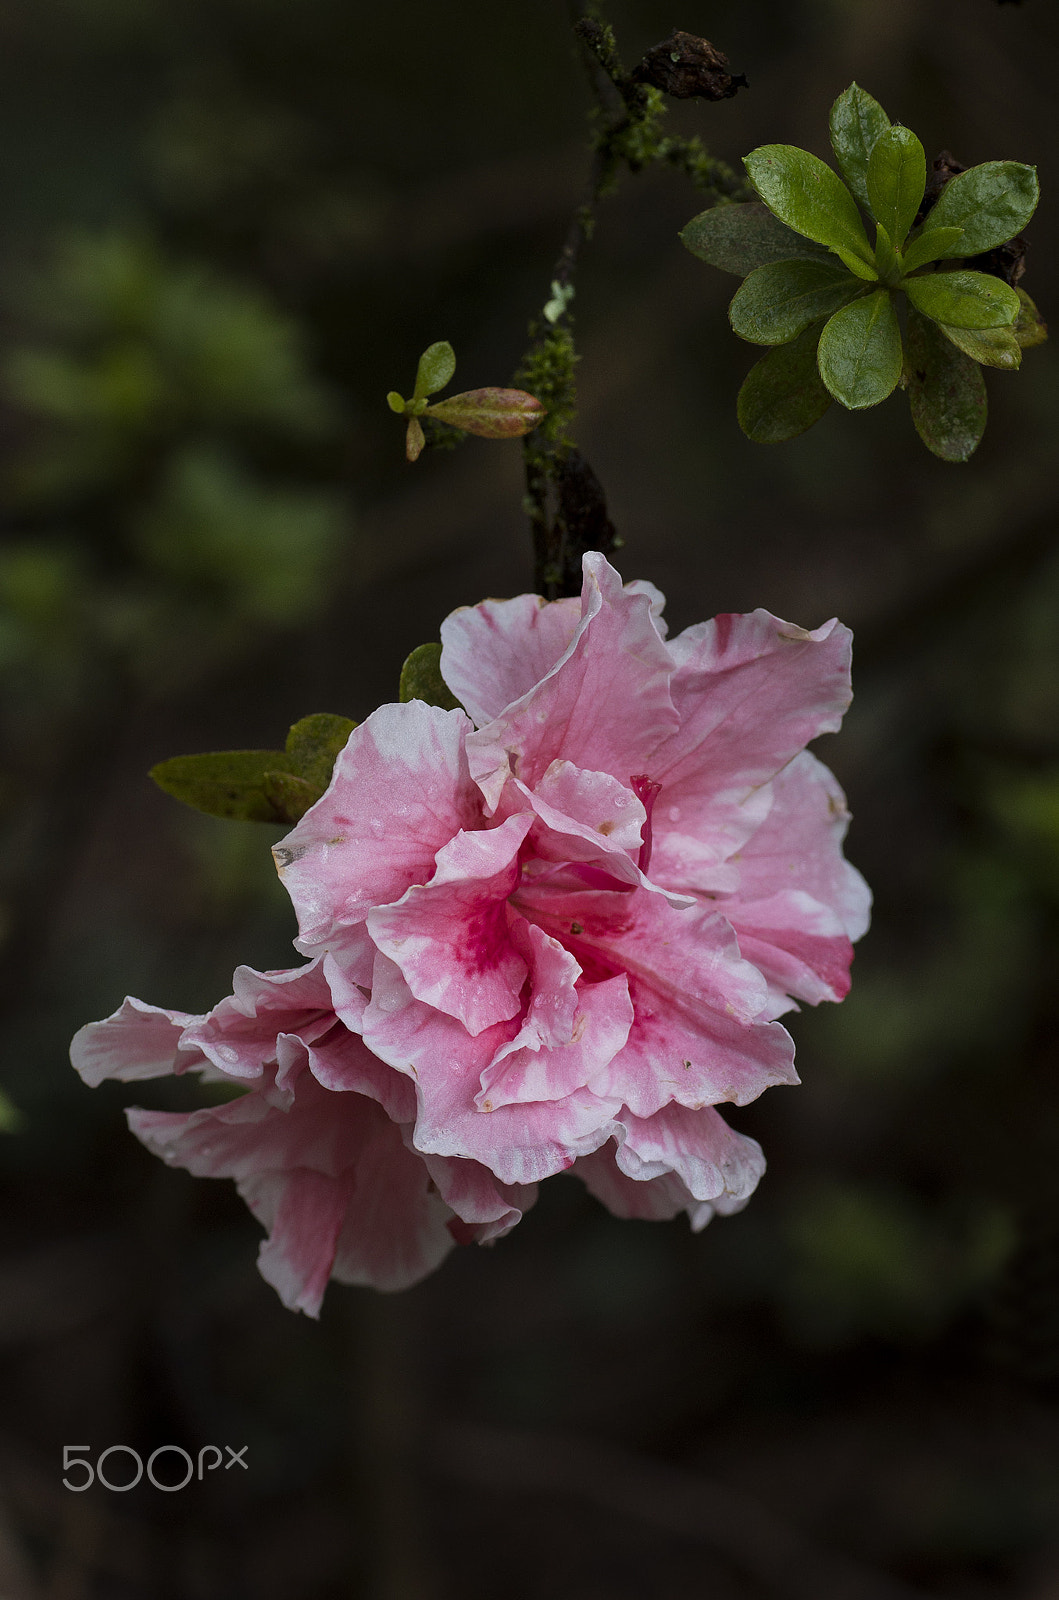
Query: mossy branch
pixel 564 501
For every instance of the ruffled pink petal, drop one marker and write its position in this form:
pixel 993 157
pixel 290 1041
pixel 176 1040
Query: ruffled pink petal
pixel 450 937
pixel 137 1041
pixel 396 1227
pixel 799 846
pixel 330 1177
pixel 597 849
pixel 538 1066
pixel 645 1200
pixel 694 1038
pixel 655 599
pixel 688 951
pixel 485 1208
pixel 797 943
pixel 715 1163
pixel 341 1061
pixel 259 994
pixel 750 691
pixel 378 1223
pixel 684 1051
pixel 554 1001
pixel 239 1035
pixel 520 1144
pixel 302 1212
pixel 399 792
pixel 494 653
pixel 605 704
pixel 255 1133
pixel 591 807
pixel 694 845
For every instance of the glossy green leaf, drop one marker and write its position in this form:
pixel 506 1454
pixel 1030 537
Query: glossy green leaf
pixel 805 194
pixel 740 238
pixel 857 122
pixel 224 783
pixel 860 352
pixel 783 393
pixel 946 392
pixel 314 744
pixel 1030 328
pixel 436 367
pixel 897 177
pixel 421 678
pixel 991 203
pixel 776 303
pixel 490 413
pixel 991 347
pixel 964 299
pixel 930 244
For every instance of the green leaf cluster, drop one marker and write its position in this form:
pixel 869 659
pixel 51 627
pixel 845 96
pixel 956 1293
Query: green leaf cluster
pixel 276 786
pixel 830 301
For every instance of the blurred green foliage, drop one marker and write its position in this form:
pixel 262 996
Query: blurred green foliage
pixel 871 1261
pixel 166 417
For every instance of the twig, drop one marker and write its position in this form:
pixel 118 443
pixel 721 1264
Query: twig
pixel 564 500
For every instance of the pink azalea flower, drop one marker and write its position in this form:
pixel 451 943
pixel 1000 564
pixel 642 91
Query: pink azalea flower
pixel 570 915
pixel 318 1142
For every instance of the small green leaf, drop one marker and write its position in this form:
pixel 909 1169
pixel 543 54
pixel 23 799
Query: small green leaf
pixel 490 413
pixel 805 194
pixel 1031 328
pixel 783 393
pixel 964 299
pixel 260 785
pixel 421 679
pixel 946 392
pixel 740 238
pixel 857 122
pixel 991 203
pixel 436 367
pixel 865 270
pixel 314 744
pixel 897 177
pixel 414 439
pixel 776 303
pixel 860 352
pixel 396 402
pixel 224 783
pixel 886 262
pixel 290 796
pixel 991 347
pixel 930 244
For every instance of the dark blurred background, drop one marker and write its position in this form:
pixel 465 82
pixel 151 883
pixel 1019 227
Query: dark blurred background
pixel 229 228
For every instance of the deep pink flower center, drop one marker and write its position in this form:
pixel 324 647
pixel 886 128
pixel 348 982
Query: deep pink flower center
pixel 646 791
